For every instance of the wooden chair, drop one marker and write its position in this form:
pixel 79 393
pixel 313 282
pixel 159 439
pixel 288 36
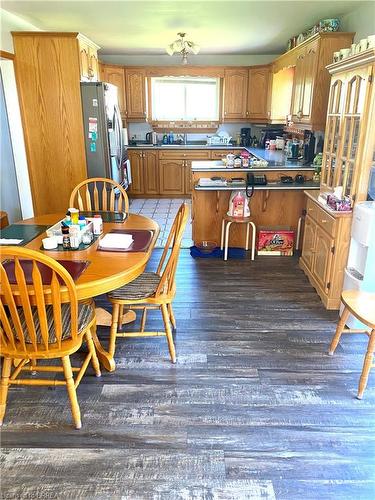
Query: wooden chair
pixel 99 194
pixel 40 322
pixel 3 219
pixel 362 306
pixel 152 290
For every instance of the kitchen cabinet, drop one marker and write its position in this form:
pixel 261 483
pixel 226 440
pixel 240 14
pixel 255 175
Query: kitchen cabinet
pixel 325 250
pixel 88 59
pixel 172 177
pixel 136 101
pixel 116 76
pixel 281 94
pixel 145 172
pixel 311 79
pixel 258 102
pixel 235 93
pixel 350 132
pixel 53 132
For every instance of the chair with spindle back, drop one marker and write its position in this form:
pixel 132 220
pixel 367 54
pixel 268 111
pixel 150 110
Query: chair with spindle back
pixel 152 290
pixel 99 194
pixel 41 321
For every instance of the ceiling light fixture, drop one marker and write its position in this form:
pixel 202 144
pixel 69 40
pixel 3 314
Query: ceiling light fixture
pixel 183 47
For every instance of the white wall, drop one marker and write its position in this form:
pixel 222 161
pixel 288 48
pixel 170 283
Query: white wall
pixel 361 20
pixel 9 22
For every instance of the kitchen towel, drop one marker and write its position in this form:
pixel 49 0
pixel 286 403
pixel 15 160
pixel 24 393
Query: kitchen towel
pixel 141 240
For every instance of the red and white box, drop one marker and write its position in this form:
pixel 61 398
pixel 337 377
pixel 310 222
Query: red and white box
pixel 275 242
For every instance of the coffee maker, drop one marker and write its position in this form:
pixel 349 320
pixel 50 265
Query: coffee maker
pixel 308 147
pixel 246 137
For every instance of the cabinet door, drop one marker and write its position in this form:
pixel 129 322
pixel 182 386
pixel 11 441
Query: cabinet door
pixel 298 87
pixel 258 94
pixel 172 174
pixel 150 172
pixel 281 94
pixel 308 244
pixel 136 166
pixel 84 62
pixel 93 65
pixel 309 71
pixel 116 76
pixel 136 94
pixel 322 258
pixel 235 93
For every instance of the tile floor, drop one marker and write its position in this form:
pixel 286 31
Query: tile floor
pixel 163 211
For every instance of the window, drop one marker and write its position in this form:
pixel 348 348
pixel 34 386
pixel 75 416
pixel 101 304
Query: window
pixel 185 98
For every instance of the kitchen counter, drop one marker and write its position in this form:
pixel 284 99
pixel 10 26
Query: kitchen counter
pixel 230 147
pixel 279 186
pixel 219 166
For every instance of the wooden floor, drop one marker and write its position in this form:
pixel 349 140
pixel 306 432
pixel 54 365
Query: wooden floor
pixel 254 408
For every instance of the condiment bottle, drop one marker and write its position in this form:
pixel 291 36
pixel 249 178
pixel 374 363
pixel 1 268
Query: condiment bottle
pixel 81 221
pixel 66 237
pixel 97 224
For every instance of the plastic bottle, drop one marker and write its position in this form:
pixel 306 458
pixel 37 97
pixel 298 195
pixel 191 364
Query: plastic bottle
pixel 170 137
pixel 165 139
pixel 82 221
pixel 97 224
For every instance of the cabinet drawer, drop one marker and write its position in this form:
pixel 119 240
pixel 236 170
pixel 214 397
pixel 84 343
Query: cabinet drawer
pixel 184 154
pixel 326 221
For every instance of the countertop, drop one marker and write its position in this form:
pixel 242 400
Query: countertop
pixel 218 166
pixel 271 186
pixel 275 159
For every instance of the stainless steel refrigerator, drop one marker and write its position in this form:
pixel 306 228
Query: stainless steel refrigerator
pixel 106 154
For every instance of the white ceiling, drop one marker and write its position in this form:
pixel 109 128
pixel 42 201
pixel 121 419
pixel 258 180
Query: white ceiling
pixel 138 27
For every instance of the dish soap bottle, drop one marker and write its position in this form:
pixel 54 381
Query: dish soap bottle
pixel 165 139
pixel 170 138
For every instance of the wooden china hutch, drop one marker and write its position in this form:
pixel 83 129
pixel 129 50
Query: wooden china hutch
pixel 347 158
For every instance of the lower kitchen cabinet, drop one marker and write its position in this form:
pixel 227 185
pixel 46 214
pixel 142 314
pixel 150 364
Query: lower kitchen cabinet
pixel 172 177
pixel 144 172
pixel 325 250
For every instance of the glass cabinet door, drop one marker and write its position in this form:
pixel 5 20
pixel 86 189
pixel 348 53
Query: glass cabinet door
pixel 356 91
pixel 332 140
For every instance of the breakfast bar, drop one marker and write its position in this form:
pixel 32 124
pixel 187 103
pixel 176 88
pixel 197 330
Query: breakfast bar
pixel 273 205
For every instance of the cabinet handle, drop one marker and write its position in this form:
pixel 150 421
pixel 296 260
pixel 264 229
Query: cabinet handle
pixel 310 209
pixel 184 154
pixel 225 112
pixel 324 220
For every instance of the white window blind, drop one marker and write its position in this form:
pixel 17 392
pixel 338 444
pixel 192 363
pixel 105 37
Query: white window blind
pixel 185 98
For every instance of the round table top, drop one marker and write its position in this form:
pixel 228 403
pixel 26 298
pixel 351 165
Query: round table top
pixel 107 270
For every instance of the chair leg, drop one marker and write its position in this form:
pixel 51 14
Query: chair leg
pixel 366 365
pixel 94 357
pixel 7 364
pixel 222 235
pixel 253 238
pixel 226 244
pixel 171 316
pixel 72 391
pixel 339 329
pixel 113 330
pixel 247 236
pixel 143 319
pixel 120 315
pixel 168 332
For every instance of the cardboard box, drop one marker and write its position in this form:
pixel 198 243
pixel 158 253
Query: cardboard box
pixel 275 242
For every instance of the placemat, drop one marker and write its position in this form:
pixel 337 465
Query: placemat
pixel 106 215
pixel 74 267
pixel 142 239
pixel 24 232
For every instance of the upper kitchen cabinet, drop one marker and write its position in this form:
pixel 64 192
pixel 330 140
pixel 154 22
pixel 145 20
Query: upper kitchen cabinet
pixel 88 59
pixel 311 79
pixel 258 102
pixel 136 100
pixel 281 94
pixel 116 76
pixel 235 94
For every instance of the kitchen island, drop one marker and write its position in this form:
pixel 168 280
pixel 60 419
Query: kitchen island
pixel 274 205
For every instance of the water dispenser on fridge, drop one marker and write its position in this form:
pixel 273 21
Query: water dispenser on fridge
pixel 360 270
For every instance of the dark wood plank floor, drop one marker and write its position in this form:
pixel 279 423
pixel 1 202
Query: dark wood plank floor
pixel 254 408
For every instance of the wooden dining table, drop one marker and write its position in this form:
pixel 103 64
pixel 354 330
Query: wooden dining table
pixel 107 270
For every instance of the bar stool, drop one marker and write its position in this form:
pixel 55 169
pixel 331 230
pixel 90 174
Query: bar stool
pixel 225 226
pixel 362 306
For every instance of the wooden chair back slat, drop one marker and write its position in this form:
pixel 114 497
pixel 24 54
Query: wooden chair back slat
pixel 96 197
pixel 88 199
pixel 24 305
pixel 167 266
pixel 56 305
pixel 25 302
pixel 40 303
pixel 113 197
